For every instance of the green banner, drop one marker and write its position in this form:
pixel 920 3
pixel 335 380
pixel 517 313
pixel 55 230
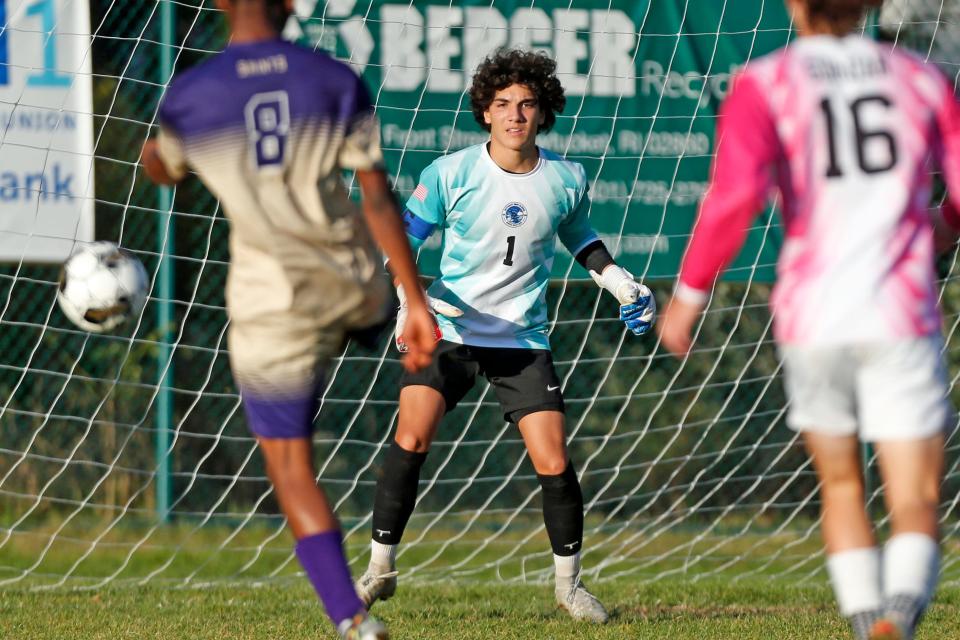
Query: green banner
pixel 643 82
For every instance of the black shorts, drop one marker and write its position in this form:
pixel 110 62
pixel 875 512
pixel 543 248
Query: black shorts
pixel 523 379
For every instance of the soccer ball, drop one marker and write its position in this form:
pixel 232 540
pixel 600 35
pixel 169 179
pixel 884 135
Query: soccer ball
pixel 101 285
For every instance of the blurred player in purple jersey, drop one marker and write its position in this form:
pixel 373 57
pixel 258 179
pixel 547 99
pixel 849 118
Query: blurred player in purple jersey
pixel 268 126
pixel 846 129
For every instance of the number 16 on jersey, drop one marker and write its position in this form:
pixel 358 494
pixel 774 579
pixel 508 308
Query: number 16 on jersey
pixel 876 148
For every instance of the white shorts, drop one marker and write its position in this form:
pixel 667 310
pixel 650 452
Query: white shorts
pixel 883 391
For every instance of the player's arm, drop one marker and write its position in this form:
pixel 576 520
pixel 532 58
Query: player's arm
pixel 154 166
pixel 747 146
pixel 637 305
pixel 163 158
pixel 423 214
pixel 381 214
pixel 362 153
pixel 382 217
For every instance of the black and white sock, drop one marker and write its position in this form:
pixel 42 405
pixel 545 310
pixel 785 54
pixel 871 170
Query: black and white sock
pixel 862 621
pixel 855 576
pixel 911 567
pixel 396 494
pixel 563 516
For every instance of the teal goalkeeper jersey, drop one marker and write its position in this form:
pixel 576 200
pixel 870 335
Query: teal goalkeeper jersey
pixel 500 233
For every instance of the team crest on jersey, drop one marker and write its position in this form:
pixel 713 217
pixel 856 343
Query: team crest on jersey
pixel 514 214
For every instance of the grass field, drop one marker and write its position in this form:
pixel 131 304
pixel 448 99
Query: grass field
pixel 677 586
pixel 288 611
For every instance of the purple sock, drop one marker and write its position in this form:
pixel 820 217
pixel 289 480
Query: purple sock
pixel 322 558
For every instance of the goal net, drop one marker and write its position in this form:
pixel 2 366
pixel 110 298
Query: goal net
pixel 125 458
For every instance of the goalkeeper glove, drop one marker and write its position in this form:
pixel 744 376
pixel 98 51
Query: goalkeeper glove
pixel 435 305
pixel 637 305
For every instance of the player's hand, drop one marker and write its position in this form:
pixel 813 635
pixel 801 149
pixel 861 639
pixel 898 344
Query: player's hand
pixel 676 326
pixel 435 307
pixel 152 164
pixel 417 335
pixel 638 307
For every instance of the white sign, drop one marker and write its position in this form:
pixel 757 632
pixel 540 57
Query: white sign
pixel 46 129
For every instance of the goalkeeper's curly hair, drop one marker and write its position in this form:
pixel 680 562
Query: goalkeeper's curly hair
pixel 534 70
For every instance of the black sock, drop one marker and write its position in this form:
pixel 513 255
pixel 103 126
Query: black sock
pixel 396 493
pixel 563 511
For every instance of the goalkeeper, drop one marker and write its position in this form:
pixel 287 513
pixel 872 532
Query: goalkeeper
pixel 269 126
pixel 501 206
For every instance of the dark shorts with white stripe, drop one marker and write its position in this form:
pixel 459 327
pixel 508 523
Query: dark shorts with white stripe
pixel 524 380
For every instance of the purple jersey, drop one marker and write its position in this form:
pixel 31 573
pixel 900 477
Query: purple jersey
pixel 269 127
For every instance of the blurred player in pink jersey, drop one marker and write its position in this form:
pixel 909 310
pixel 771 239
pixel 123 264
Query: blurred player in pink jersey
pixel 846 129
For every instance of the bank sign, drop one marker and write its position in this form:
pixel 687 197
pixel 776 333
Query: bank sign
pixel 46 129
pixel 643 82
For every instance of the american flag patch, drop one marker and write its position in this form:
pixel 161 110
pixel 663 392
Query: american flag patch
pixel 420 193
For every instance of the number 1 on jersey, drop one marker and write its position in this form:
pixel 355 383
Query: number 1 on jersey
pixel 511 243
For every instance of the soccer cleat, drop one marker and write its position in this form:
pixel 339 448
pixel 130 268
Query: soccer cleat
pixel 886 629
pixel 376 586
pixel 899 621
pixel 364 627
pixel 581 604
pixel 863 621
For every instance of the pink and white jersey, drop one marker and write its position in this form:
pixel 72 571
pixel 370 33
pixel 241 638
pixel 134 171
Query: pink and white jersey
pixel 848 130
